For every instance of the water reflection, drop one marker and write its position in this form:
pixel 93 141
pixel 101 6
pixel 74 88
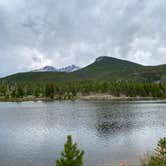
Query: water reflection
pixel 113 120
pixel 122 117
pixel 34 133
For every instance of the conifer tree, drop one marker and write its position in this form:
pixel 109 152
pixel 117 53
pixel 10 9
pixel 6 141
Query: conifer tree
pixel 160 151
pixel 71 156
pixel 20 92
pixel 159 158
pixel 49 91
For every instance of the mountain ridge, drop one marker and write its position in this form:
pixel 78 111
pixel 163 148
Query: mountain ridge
pixel 103 68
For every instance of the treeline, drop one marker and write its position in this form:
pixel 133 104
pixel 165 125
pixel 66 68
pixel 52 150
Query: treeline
pixel 70 90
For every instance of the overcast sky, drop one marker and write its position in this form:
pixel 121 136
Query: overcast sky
pixel 35 33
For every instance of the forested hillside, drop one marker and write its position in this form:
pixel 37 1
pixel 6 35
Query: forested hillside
pixel 103 69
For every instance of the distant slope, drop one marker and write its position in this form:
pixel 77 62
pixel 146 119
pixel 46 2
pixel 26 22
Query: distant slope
pixel 38 77
pixel 104 68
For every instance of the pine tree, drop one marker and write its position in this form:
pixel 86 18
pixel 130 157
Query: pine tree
pixel 20 92
pixel 71 156
pixel 49 91
pixel 160 151
pixel 13 93
pixel 159 158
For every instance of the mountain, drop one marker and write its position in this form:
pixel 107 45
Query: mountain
pixel 113 69
pixel 67 69
pixel 103 68
pixel 46 69
pixel 109 68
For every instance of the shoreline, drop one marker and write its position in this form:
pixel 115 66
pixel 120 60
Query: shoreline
pixel 96 97
pixel 120 98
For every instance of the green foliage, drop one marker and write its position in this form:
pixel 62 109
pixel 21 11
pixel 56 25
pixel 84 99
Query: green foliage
pixel 36 92
pixel 160 153
pixel 20 92
pixel 159 156
pixel 71 156
pixel 3 90
pixel 71 89
pixel 13 93
pixel 49 90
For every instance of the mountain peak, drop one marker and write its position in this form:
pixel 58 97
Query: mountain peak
pixel 67 69
pixel 46 69
pixel 115 61
pixel 100 58
pixel 103 69
pixel 49 68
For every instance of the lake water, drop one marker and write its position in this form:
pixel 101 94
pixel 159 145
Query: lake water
pixel 33 133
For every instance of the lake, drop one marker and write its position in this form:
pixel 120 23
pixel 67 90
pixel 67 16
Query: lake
pixel 33 133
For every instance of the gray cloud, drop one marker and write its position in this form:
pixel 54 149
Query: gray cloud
pixel 35 33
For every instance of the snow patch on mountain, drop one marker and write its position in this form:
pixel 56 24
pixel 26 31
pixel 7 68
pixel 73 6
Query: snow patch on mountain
pixel 67 69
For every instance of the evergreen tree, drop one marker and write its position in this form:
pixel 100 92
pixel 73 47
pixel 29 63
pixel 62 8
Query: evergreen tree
pixel 159 157
pixel 13 93
pixel 20 92
pixel 71 156
pixel 49 91
pixel 3 90
pixel 36 92
pixel 160 151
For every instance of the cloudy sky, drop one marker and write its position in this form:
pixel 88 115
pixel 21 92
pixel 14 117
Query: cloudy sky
pixel 35 33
